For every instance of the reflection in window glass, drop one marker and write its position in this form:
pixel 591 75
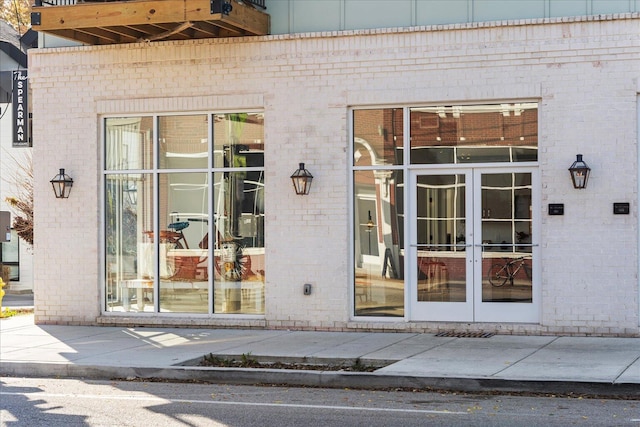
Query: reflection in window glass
pixel 128 143
pixel 379 255
pixel 377 137
pixel 508 279
pixel 238 210
pixel 183 254
pixel 474 133
pixel 183 142
pixel 167 244
pixel 468 135
pixel 237 139
pixel 440 207
pixel 10 258
pixel 239 282
pixel 129 249
pixel 506 237
pixel 440 227
pixel 506 211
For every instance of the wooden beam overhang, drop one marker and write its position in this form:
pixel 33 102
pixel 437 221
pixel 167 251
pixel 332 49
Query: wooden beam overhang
pixel 112 22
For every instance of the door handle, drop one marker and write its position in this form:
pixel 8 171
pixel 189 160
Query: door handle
pixel 448 245
pixel 528 245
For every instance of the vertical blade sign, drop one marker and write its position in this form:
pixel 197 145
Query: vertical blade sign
pixel 20 109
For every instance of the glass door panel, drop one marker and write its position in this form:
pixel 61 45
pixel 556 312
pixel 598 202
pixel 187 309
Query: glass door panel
pixel 440 255
pixel 508 286
pixel 506 237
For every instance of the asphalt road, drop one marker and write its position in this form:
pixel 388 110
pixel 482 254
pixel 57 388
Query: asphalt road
pixel 17 300
pixel 68 402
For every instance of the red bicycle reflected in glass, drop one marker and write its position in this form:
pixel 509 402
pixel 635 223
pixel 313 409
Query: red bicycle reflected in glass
pixel 230 261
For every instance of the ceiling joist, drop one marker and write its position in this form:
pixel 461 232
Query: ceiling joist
pixel 114 22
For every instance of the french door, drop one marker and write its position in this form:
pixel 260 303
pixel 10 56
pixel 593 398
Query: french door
pixel 473 253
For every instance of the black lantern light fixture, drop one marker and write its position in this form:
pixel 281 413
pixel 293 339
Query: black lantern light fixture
pixel 62 184
pixel 370 226
pixel 132 194
pixel 302 180
pixel 579 172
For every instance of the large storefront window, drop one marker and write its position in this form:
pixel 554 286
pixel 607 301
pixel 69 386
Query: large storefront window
pixel 185 233
pixel 447 194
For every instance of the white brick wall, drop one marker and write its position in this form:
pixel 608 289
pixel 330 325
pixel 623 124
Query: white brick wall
pixel 584 72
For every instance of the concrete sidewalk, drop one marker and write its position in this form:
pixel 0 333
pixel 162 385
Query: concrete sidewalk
pixel 605 366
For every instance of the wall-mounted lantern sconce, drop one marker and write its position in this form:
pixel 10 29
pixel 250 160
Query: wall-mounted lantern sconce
pixel 132 194
pixel 62 184
pixel 579 172
pixel 302 180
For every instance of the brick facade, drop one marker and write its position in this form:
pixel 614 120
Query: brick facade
pixel 583 72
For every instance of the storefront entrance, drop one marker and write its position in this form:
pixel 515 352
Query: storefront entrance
pixel 473 253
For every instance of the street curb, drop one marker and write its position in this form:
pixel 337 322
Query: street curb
pixel 324 379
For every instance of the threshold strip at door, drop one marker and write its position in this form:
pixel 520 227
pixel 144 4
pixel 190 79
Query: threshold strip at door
pixel 454 334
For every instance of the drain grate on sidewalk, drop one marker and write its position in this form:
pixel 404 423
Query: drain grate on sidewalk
pixel 454 334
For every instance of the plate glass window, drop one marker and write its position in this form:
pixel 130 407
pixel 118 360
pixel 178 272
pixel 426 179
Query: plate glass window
pixel 184 214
